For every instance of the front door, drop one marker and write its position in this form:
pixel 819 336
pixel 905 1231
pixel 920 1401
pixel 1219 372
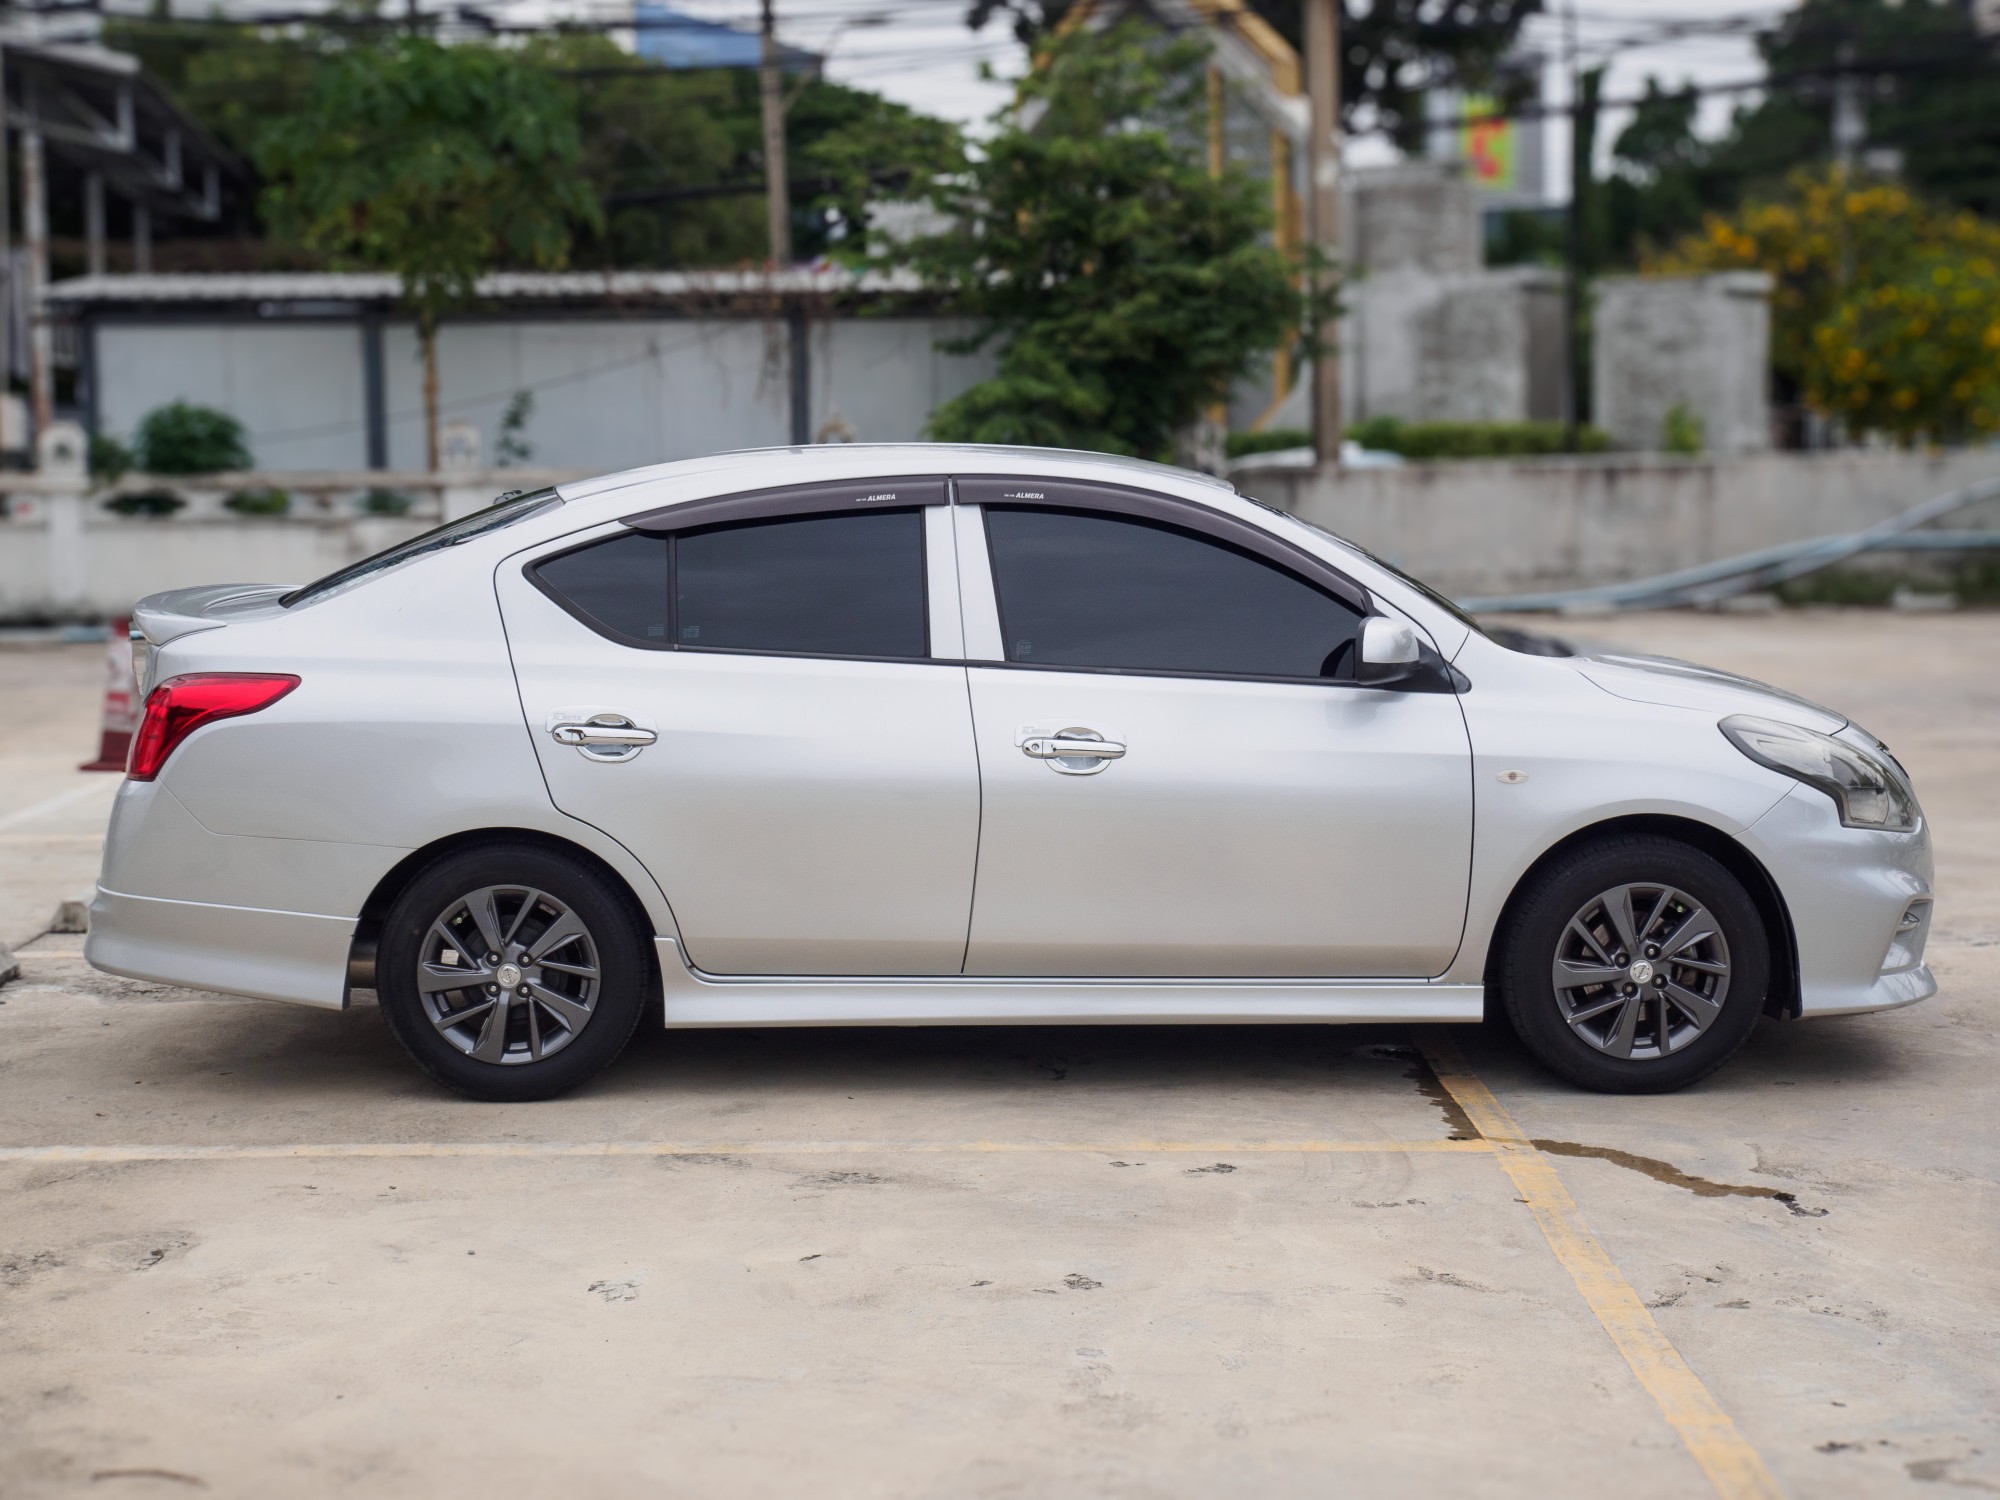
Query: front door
pixel 1181 777
pixel 755 709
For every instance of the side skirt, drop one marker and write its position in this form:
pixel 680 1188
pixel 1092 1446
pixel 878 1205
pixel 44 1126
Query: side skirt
pixel 696 999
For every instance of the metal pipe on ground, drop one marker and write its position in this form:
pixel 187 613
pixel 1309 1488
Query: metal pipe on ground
pixel 1748 572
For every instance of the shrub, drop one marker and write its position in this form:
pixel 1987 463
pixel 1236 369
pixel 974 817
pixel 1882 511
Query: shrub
pixel 1682 431
pixel 387 503
pixel 267 502
pixel 1421 440
pixel 146 503
pixel 109 458
pixel 182 439
pixel 1241 443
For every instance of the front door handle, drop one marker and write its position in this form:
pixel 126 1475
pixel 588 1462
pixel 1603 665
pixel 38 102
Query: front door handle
pixel 603 735
pixel 1072 751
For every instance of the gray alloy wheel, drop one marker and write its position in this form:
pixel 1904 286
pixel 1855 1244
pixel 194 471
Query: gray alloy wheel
pixel 514 971
pixel 1641 970
pixel 1633 964
pixel 508 974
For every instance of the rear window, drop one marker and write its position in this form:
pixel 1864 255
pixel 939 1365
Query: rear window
pixel 847 584
pixel 503 512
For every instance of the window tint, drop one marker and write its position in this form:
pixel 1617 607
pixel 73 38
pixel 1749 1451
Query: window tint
pixel 620 585
pixel 840 585
pixel 505 511
pixel 847 585
pixel 1080 589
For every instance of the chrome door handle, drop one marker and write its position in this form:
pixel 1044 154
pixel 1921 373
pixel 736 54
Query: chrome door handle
pixel 1074 751
pixel 1061 747
pixel 601 736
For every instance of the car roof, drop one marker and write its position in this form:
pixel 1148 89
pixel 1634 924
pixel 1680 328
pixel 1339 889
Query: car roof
pixel 764 467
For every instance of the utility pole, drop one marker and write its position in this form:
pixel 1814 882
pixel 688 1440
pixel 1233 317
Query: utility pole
pixel 1579 176
pixel 6 245
pixel 35 222
pixel 1850 125
pixel 1323 209
pixel 777 191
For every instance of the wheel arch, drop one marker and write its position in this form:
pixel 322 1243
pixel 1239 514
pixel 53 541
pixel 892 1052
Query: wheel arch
pixel 1783 1000
pixel 374 910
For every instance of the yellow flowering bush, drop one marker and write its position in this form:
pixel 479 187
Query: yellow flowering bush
pixel 1885 309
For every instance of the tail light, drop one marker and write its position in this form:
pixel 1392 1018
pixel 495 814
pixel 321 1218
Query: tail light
pixel 181 705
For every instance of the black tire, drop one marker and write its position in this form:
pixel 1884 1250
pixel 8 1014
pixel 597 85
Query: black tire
pixel 1575 1029
pixel 592 994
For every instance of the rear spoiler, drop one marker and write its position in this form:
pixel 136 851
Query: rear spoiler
pixel 159 618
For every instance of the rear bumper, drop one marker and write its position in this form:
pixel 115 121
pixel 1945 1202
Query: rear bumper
pixel 239 950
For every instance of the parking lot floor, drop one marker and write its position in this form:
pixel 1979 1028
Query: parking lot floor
pixel 247 1249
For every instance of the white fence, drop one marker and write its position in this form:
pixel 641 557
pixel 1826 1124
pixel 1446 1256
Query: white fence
pixel 67 553
pixel 1467 528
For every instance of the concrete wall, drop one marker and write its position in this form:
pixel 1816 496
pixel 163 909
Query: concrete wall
pixel 1422 215
pixel 1467 528
pixel 609 394
pixel 295 384
pixel 1703 342
pixel 1493 529
pixel 1471 346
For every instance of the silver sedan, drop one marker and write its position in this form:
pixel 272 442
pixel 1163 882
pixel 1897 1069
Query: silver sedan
pixel 935 735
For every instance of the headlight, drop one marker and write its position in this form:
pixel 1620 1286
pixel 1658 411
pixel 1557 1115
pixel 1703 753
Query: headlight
pixel 1868 793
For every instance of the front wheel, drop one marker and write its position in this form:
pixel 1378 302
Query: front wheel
pixel 512 973
pixel 1634 966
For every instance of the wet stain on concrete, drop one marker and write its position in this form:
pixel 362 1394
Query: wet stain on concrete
pixel 1447 1278
pixel 1938 1471
pixel 1428 1084
pixel 1673 1176
pixel 172 1476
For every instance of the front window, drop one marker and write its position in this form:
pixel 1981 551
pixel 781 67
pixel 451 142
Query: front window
pixel 1084 589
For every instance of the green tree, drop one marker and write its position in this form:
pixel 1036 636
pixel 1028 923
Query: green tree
pixel 1929 89
pixel 1886 306
pixel 1390 51
pixel 234 78
pixel 1127 288
pixel 663 152
pixel 438 163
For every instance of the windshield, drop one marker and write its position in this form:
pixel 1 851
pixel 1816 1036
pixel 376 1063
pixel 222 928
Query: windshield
pixel 505 511
pixel 1527 642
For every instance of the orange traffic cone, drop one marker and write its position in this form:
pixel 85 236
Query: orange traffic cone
pixel 121 708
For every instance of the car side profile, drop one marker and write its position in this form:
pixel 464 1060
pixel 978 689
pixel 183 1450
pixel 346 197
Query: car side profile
pixel 925 734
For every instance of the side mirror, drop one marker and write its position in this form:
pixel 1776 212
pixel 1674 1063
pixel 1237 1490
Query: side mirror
pixel 1385 653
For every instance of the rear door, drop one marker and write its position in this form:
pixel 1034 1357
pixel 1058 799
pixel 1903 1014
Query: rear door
pixel 762 698
pixel 1181 777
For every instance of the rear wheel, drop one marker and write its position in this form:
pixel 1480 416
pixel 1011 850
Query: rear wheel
pixel 512 973
pixel 1635 965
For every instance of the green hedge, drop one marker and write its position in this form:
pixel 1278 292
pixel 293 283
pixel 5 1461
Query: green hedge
pixel 1241 443
pixel 1434 439
pixel 1471 439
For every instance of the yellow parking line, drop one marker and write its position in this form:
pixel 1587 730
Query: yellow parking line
pixel 535 1149
pixel 1732 1465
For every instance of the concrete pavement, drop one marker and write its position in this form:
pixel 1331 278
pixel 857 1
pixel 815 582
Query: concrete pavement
pixel 1090 1262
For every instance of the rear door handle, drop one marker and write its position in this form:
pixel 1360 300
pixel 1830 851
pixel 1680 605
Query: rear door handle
pixel 1060 747
pixel 1074 750
pixel 602 735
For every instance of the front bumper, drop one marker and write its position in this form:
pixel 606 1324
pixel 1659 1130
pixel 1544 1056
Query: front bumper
pixel 1849 892
pixel 239 950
